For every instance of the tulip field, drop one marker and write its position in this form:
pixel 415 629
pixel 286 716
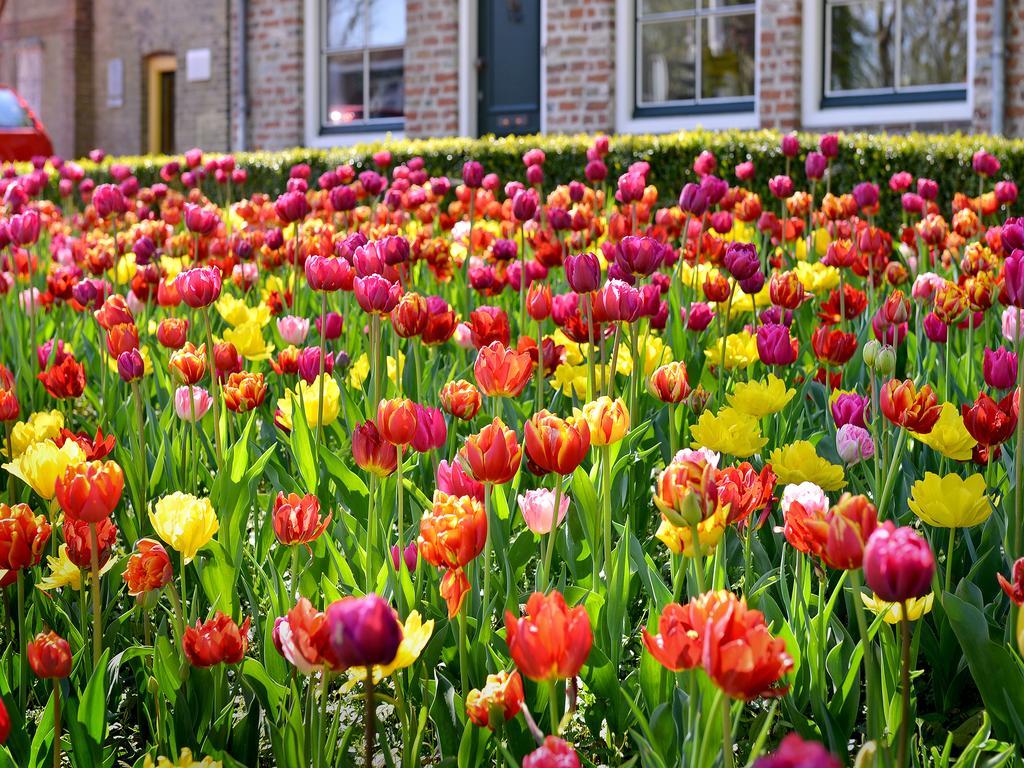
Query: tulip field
pixel 402 465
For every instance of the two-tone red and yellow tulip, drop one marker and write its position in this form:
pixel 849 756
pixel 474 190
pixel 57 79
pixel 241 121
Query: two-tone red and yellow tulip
pixel 555 444
pixel 493 454
pixel 453 533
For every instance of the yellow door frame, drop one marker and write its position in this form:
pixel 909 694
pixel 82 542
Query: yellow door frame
pixel 155 67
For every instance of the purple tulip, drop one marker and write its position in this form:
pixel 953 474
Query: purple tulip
pixel 363 631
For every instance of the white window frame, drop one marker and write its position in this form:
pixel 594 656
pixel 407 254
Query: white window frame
pixel 814 115
pixel 625 85
pixel 315 136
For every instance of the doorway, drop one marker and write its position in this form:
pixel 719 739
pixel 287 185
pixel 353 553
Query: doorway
pixel 160 72
pixel 508 67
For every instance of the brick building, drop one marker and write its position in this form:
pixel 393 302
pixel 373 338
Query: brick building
pixel 150 75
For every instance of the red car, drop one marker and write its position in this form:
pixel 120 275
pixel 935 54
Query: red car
pixel 22 136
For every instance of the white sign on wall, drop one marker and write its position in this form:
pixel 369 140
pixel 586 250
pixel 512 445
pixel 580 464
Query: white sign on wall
pixel 115 82
pixel 197 65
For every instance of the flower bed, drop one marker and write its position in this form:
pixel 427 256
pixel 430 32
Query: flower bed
pixel 695 450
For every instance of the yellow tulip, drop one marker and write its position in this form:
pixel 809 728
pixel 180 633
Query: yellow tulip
pixel 740 351
pixel 950 501
pixel 679 540
pixel 799 463
pixel 42 425
pixel 42 463
pixel 308 396
pixel 184 522
pixel 761 398
pixel 817 277
pixel 728 431
pixel 63 573
pixel 248 340
pixel 949 436
pixel 916 607
pixel 185 760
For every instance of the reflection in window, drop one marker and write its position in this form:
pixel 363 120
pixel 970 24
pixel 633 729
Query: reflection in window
pixel 895 46
pixel 362 62
pixel 694 51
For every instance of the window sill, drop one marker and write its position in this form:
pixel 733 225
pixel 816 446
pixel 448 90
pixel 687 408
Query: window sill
pixel 687 110
pixel 893 99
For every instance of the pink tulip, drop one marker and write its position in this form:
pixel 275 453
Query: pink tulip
pixel 537 507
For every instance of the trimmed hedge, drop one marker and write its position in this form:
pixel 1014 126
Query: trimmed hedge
pixel 862 157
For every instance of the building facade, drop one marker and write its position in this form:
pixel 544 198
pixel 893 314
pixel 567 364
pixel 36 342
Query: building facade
pixel 137 76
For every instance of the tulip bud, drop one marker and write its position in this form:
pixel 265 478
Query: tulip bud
pixel 130 365
pixel 885 362
pixel 871 350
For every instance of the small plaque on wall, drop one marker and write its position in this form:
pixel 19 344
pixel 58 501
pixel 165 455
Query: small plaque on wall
pixel 197 65
pixel 115 82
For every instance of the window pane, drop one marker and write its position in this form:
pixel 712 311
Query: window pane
pixel 727 63
pixel 648 7
pixel 344 88
pixel 863 45
pixel 387 22
pixel 11 113
pixel 667 61
pixel 387 84
pixel 934 44
pixel 346 27
pixel 712 4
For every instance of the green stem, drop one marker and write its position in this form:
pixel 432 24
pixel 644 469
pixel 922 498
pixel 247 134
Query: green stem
pixel 22 644
pixel 905 687
pixel 214 390
pixel 295 571
pixel 870 673
pixel 890 479
pixel 371 717
pixel 323 363
pixel 553 705
pixel 727 758
pixel 606 498
pixel 698 559
pixel 97 614
pixel 949 559
pixel 463 648
pixel 399 593
pixel 56 723
pixel 548 555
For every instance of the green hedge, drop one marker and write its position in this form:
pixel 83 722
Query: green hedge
pixel 862 157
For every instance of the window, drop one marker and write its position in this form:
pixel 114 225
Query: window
pixel 362 68
pixel 879 51
pixel 11 113
pixel 694 56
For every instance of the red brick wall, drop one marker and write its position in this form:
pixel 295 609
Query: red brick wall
pixel 1013 30
pixel 779 64
pixel 432 68
pixel 275 74
pixel 580 65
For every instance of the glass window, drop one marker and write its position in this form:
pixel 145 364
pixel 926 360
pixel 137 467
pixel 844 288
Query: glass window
pixel 362 62
pixel 11 113
pixel 692 52
pixel 895 46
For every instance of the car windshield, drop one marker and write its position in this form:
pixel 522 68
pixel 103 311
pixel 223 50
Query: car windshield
pixel 11 113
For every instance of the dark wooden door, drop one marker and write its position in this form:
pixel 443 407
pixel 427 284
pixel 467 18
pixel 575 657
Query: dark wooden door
pixel 508 68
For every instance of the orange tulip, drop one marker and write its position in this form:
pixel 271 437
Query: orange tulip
pixel 244 391
pixel 90 491
pixel 669 383
pixel 148 569
pixel 741 656
pixel 123 337
pixel 555 444
pixel 679 643
pixel 217 641
pixel 23 537
pixel 461 399
pixel 49 656
pixel 297 519
pixel 906 406
pixel 396 420
pixel 552 641
pixel 836 537
pixel 410 316
pixel 745 490
pixel 188 364
pixel 500 699
pixel 493 454
pixel 502 372
pixel 453 533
